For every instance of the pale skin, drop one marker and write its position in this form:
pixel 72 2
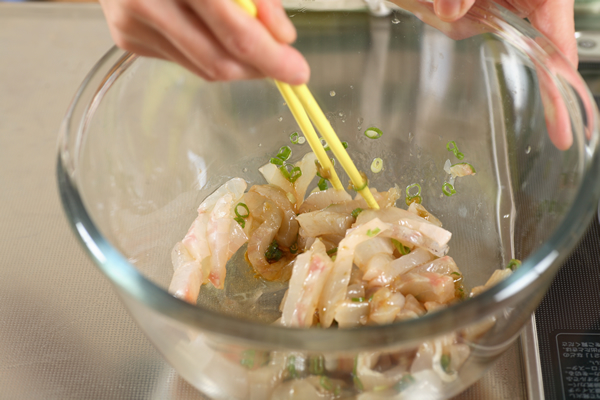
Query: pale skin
pixel 218 42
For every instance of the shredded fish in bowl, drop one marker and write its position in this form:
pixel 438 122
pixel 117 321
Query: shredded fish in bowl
pixel 346 266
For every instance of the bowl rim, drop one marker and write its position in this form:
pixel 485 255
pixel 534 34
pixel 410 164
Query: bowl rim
pixel 542 264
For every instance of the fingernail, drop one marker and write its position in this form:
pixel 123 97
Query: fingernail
pixel 449 10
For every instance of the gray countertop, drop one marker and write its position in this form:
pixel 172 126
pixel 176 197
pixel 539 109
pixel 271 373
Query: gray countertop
pixel 63 332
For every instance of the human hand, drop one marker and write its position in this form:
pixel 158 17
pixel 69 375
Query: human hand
pixel 553 18
pixel 214 39
pixel 460 19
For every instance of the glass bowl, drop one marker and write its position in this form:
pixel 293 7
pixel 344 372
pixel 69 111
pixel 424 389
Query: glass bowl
pixel 145 141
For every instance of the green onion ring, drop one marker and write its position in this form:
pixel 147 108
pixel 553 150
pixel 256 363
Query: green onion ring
pixel 294 248
pixel 284 172
pixel 373 133
pixel 454 149
pixel 412 186
pixel 243 206
pixel 240 221
pixel 377 165
pixel 295 173
pixel 291 175
pixel 413 198
pixel 448 189
pixel 294 137
pixel 352 187
pixel 284 153
pixel 513 264
pixel 276 161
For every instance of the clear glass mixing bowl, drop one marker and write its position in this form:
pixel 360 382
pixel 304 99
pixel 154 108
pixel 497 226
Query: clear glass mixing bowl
pixel 145 141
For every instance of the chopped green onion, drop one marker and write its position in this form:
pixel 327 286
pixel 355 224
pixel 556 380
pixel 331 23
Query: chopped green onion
pixel 334 257
pixel 291 175
pixel 332 251
pixel 317 365
pixel 295 173
pixel 358 299
pixel 326 383
pixel 294 248
pixel 360 188
pixel 240 221
pixel 357 383
pixel 455 273
pixel 356 211
pixel 513 264
pixel 291 367
pixel 322 184
pixel 243 206
pixel 284 153
pixel 352 187
pixel 404 383
pixel 377 165
pixel 273 254
pixel 445 361
pixel 276 161
pixel 325 145
pixel 454 149
pixel 248 358
pixel 373 133
pixel 409 187
pixel 345 144
pixel 402 249
pixel 416 198
pixel 294 137
pixel 448 189
pixel 284 172
pixel 371 233
pixel 371 298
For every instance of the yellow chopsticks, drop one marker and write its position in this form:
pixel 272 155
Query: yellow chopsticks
pixel 319 119
pixel 299 114
pixel 300 102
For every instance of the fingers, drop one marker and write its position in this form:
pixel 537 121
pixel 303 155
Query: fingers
pixel 558 121
pixel 555 19
pixel 451 10
pixel 212 38
pixel 274 18
pixel 167 30
pixel 248 40
pixel 160 47
pixel 190 35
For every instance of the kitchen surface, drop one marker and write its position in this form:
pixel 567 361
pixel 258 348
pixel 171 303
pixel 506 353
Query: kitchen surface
pixel 63 332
